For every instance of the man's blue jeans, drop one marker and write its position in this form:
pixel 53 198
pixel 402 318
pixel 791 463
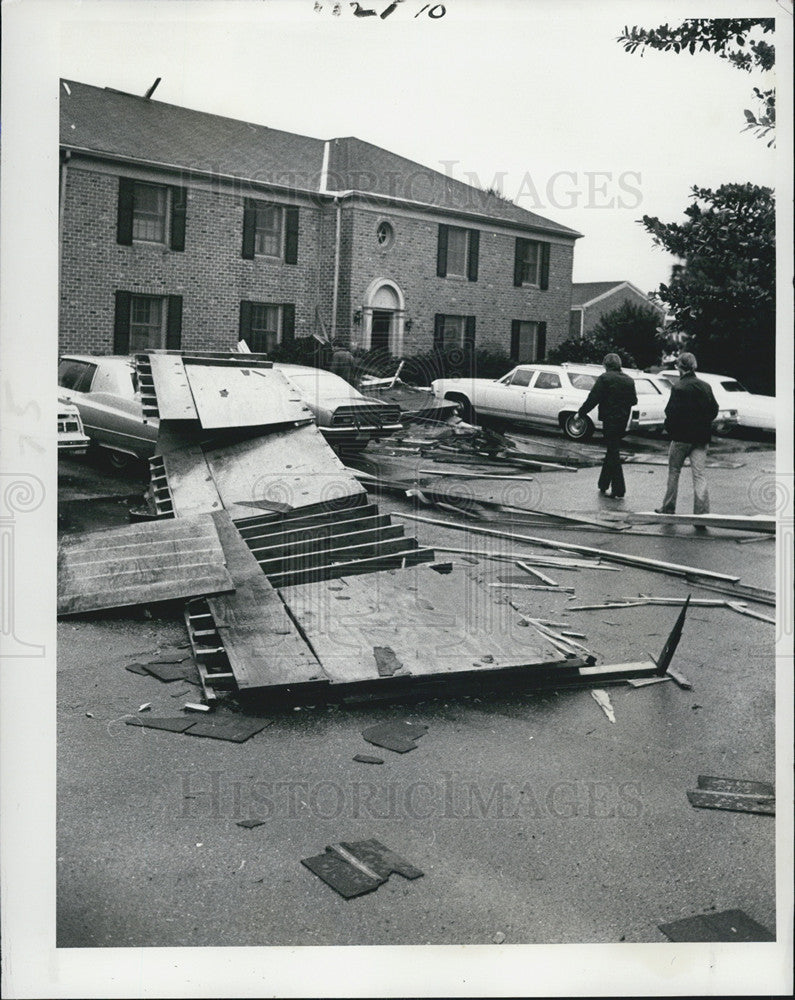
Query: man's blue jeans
pixel 677 453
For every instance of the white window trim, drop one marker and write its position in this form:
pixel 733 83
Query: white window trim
pixel 167 215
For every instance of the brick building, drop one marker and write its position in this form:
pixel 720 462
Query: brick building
pixel 591 300
pixel 185 229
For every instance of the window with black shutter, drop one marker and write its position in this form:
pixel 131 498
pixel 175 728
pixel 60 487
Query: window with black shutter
pixel 531 263
pixel 151 213
pixel 270 230
pixel 528 341
pixel 146 322
pixel 264 325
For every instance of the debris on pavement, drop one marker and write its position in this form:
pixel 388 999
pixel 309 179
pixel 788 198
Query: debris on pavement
pixel 146 707
pixel 191 706
pixel 364 758
pixel 728 925
pixel 249 824
pixel 734 795
pixel 352 869
pixel 602 699
pixel 234 729
pixel 171 725
pixel 397 736
pixel 734 522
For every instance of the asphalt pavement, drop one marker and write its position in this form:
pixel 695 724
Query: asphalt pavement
pixel 533 817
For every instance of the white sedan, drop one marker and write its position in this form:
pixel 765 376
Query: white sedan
pixel 551 395
pixel 757 412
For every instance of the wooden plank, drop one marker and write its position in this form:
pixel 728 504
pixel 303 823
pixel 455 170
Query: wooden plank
pixel 655 565
pixel 735 522
pixel 296 520
pixel 262 644
pixel 457 628
pixel 733 802
pixel 471 475
pixel 737 786
pixel 174 398
pixel 190 482
pixel 140 564
pixel 371 564
pixel 327 543
pixel 294 468
pixel 244 397
pixel 327 529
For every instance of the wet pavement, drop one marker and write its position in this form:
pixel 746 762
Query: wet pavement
pixel 533 817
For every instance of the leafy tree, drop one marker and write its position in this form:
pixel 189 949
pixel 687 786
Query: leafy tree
pixel 728 38
pixel 631 331
pixel 723 295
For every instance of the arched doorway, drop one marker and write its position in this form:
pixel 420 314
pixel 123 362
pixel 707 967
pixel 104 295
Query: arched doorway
pixel 383 314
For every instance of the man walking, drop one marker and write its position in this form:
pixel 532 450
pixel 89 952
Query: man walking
pixel 615 393
pixel 688 421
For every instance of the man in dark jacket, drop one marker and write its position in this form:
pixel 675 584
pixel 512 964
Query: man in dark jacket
pixel 615 393
pixel 688 421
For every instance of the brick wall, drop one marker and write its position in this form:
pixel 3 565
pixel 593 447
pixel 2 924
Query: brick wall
pixel 213 277
pixel 210 274
pixel 411 263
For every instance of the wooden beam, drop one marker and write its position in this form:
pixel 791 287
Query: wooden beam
pixel 654 565
pixel 734 522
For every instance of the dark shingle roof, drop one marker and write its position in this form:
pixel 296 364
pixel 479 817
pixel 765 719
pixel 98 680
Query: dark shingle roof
pixel 124 125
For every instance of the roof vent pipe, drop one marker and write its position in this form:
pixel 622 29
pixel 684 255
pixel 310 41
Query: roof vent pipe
pixel 152 89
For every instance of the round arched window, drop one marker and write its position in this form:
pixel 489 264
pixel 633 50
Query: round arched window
pixel 385 235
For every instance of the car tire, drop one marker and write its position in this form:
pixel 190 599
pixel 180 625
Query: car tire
pixel 576 428
pixel 120 461
pixel 468 414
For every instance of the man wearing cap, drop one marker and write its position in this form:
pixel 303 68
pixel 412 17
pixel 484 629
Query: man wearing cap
pixel 615 393
pixel 688 421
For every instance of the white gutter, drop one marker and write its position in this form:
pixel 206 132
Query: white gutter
pixel 323 186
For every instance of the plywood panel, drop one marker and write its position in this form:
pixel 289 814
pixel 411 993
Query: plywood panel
pixel 191 483
pixel 174 398
pixel 286 469
pixel 243 397
pixel 262 644
pixel 142 563
pixel 432 623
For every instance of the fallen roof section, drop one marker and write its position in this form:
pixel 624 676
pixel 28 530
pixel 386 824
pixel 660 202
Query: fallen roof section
pixel 140 564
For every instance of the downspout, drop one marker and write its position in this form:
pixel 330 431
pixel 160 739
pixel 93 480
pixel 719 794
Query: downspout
pixel 61 203
pixel 335 290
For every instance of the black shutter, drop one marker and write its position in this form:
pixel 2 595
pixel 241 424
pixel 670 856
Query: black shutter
pixel 474 247
pixel 245 322
pixel 544 266
pixel 291 236
pixel 438 330
pixel 441 252
pixel 541 342
pixel 518 261
pixel 515 339
pixel 249 227
pixel 174 323
pixel 121 324
pixel 288 322
pixel 179 210
pixel 124 218
pixel 469 333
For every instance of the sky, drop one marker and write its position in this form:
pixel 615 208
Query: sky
pixel 535 98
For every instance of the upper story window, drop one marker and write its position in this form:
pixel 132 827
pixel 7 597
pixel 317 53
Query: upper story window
pixel 385 235
pixel 457 252
pixel 151 213
pixel 270 230
pixel 531 264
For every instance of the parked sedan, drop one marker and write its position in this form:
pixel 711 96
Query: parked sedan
pixel 72 439
pixel 551 395
pixel 345 416
pixel 754 411
pixel 105 391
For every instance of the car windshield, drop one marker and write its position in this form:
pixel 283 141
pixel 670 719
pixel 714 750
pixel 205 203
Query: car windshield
pixel 582 381
pixel 733 386
pixel 645 387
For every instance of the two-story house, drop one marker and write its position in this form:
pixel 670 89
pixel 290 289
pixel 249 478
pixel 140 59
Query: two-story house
pixel 182 229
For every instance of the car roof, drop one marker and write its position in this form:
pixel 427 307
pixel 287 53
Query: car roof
pixel 584 368
pixel 94 358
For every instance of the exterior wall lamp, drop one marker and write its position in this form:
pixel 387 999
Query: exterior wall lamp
pixel 408 324
pixel 357 317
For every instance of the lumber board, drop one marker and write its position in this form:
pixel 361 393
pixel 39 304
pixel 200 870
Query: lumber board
pixel 457 627
pixel 655 565
pixel 327 529
pixel 174 398
pixel 292 521
pixel 361 564
pixel 735 522
pixel 262 644
pixel 232 396
pixel 190 482
pixel 733 802
pixel 326 542
pixel 291 468
pixel 140 564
